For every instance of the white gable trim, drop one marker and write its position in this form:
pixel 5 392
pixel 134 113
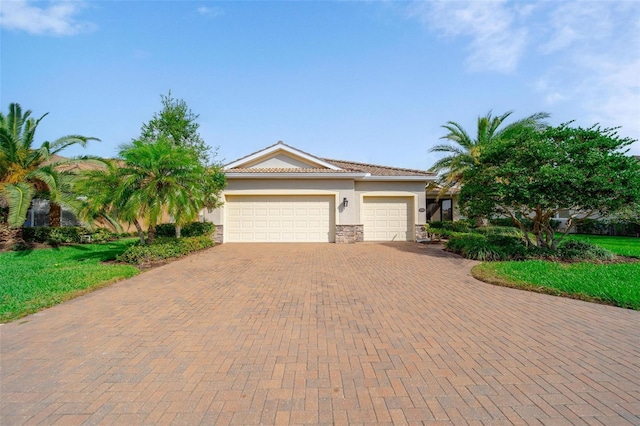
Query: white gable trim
pixel 276 175
pixel 284 148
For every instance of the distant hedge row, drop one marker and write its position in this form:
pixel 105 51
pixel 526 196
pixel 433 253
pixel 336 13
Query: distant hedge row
pixel 67 235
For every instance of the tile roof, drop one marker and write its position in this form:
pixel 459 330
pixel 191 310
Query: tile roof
pixel 376 170
pixel 346 166
pixel 287 170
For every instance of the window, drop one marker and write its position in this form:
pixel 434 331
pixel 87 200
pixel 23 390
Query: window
pixel 441 210
pixel 446 207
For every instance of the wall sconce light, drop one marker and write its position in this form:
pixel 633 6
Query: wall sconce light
pixel 345 202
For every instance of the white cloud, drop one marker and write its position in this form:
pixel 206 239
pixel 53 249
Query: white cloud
pixel 574 23
pixel 210 11
pixel 497 41
pixel 586 54
pixel 57 18
pixel 596 49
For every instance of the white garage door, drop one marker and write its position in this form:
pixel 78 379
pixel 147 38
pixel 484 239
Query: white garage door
pixel 388 219
pixel 286 218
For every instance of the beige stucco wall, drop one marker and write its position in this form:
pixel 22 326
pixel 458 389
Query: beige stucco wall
pixel 337 187
pixel 280 161
pixel 353 191
pixel 394 189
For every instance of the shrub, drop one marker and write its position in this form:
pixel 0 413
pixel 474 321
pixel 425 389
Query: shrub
pixel 508 231
pixel 193 229
pixel 475 246
pixel 455 226
pixel 51 235
pixel 592 226
pixel 164 248
pixel 512 246
pixel 527 223
pixel 65 235
pixel 582 250
pixel 102 235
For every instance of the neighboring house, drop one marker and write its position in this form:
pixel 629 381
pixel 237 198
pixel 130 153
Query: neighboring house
pixel 282 194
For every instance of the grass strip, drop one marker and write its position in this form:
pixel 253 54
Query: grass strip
pixel 616 284
pixel 36 279
pixel 623 246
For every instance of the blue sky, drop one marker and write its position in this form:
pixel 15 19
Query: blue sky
pixel 361 81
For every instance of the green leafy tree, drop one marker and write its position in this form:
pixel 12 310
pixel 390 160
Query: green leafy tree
pixel 160 177
pixel 178 124
pixel 463 150
pixel 105 198
pixel 533 174
pixel 27 172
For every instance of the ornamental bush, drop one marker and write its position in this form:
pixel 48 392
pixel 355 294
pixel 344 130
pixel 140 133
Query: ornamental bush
pixel 164 248
pixel 582 250
pixel 66 235
pixel 455 226
pixel 193 229
pixel 475 246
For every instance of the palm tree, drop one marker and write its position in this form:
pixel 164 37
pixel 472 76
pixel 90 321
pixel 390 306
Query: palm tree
pixel 159 178
pixel 465 151
pixel 27 172
pixel 104 199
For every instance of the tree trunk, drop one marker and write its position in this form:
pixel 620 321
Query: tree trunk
pixel 55 214
pixel 9 236
pixel 151 234
pixel 178 231
pixel 140 231
pixel 482 222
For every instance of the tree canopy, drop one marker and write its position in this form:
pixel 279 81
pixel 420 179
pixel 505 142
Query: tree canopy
pixel 167 171
pixel 463 150
pixel 535 173
pixel 177 124
pixel 27 172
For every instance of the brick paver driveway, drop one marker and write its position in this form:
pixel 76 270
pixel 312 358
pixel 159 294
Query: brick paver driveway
pixel 320 333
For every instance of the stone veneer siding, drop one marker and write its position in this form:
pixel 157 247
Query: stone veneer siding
pixel 421 232
pixel 346 234
pixel 218 234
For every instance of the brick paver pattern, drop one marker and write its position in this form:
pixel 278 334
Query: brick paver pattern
pixel 320 333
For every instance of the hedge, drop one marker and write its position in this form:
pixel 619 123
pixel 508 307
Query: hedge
pixel 193 229
pixel 66 235
pixel 164 248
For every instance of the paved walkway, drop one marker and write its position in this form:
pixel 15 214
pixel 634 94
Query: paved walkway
pixel 320 333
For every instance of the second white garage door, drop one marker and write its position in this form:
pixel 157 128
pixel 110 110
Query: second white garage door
pixel 285 218
pixel 387 218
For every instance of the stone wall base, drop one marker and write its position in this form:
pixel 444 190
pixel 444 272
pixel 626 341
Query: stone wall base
pixel 421 232
pixel 218 234
pixel 346 234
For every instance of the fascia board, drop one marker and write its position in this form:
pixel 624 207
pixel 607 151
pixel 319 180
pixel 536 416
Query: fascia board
pixel 295 175
pixel 399 178
pixel 281 147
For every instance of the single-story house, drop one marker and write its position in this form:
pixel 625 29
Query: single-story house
pixel 283 194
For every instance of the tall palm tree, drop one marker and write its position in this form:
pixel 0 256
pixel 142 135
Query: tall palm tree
pixel 159 178
pixel 27 172
pixel 104 200
pixel 464 150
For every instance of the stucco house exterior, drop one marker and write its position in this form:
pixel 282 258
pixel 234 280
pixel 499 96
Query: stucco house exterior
pixel 283 194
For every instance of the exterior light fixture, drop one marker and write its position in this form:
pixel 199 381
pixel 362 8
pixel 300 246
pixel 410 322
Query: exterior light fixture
pixel 345 202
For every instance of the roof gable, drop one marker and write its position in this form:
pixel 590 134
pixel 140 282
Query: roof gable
pixel 281 156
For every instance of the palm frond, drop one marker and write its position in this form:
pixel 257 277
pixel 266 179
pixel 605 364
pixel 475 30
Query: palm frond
pixel 19 198
pixel 66 141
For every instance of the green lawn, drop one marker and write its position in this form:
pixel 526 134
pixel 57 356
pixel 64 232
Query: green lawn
pixel 36 279
pixel 617 284
pixel 625 246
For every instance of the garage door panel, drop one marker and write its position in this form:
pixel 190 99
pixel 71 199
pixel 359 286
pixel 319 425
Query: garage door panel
pixel 387 218
pixel 280 218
